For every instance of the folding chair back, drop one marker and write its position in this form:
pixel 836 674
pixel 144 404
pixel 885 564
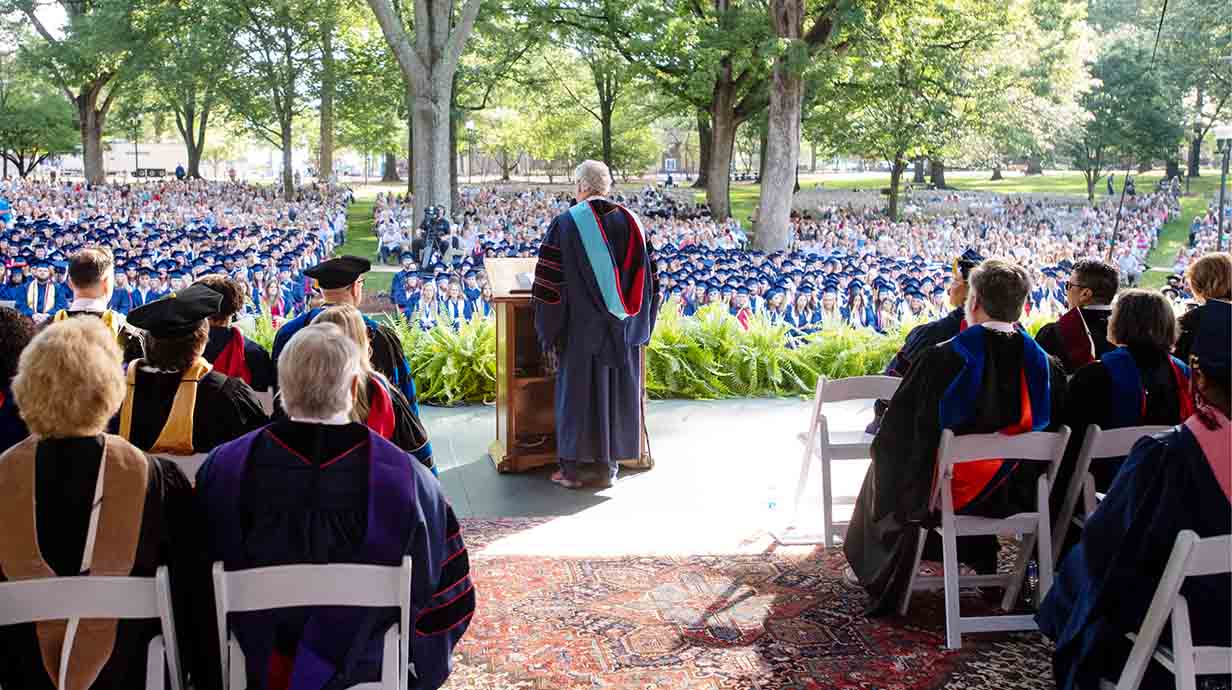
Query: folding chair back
pixel 1098 444
pixel 1191 557
pixel 120 598
pixel 1038 446
pixel 824 445
pixel 342 584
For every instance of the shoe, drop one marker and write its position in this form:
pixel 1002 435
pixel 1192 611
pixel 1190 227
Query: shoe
pixel 559 477
pixel 605 482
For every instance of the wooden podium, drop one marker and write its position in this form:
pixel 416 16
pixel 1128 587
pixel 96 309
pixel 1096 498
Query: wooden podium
pixel 525 390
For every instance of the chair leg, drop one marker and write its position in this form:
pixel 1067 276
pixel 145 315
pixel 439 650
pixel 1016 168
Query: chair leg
pixel 1013 583
pixel 154 666
pixel 809 442
pixel 1046 564
pixel 915 572
pixel 1182 647
pixel 827 503
pixel 953 621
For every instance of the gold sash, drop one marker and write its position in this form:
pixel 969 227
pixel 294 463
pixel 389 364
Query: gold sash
pixel 111 550
pixel 49 296
pixel 111 319
pixel 177 433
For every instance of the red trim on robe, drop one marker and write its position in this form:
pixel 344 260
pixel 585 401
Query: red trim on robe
pixel 380 410
pixel 1076 339
pixel 232 360
pixel 970 478
pixel 635 295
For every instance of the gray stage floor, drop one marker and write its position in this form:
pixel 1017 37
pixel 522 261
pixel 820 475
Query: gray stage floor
pixel 715 461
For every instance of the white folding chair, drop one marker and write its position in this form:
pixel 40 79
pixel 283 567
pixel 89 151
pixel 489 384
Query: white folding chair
pixel 1191 557
pixel 1097 444
pixel 341 584
pixel 1039 446
pixel 826 445
pixel 121 598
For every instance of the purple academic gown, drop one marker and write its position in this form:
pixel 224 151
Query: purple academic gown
pixel 598 384
pixel 342 646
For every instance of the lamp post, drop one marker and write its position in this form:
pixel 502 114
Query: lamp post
pixel 1223 146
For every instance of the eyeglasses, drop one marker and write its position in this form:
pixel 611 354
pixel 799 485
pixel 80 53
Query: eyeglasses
pixel 1070 284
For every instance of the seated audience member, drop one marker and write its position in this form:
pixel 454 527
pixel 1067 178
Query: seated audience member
pixel 1210 278
pixel 1179 480
pixel 992 377
pixel 926 335
pixel 1136 384
pixel 91 278
pixel 227 349
pixel 176 403
pixel 378 404
pixel 15 333
pixel 75 501
pixel 1080 336
pixel 308 489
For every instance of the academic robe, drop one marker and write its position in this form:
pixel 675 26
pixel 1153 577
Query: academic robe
pixel 386 353
pixel 225 408
pixel 922 338
pixel 121 302
pixel 581 283
pixel 1104 586
pixel 64 486
pixel 256 360
pixel 895 496
pixel 1154 391
pixel 295 492
pixel 1067 342
pixel 35 298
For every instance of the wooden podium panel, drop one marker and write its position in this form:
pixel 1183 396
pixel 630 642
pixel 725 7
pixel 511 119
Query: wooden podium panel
pixel 525 390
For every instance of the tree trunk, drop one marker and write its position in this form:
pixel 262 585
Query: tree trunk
pixel 918 174
pixel 703 149
pixel 410 155
pixel 194 163
pixel 781 143
pixel 996 172
pixel 389 168
pixel 90 119
pixel 1172 168
pixel 936 172
pixel 431 125
pixel 605 132
pixel 813 153
pixel 761 155
pixel 722 141
pixel 325 167
pixel 1091 189
pixel 1195 143
pixel 1035 164
pixel 455 198
pixel 288 176
pixel 896 176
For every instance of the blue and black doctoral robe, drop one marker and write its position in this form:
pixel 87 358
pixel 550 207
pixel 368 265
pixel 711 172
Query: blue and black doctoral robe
pixel 297 492
pixel 595 304
pixel 1105 584
pixel 979 382
pixel 387 355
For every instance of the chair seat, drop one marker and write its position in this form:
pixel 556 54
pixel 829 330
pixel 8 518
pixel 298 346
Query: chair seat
pixel 971 525
pixel 845 445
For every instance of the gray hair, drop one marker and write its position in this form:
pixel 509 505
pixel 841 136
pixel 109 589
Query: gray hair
pixel 1143 318
pixel 593 177
pixel 316 371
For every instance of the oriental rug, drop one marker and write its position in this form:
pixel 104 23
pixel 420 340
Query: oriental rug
pixel 748 621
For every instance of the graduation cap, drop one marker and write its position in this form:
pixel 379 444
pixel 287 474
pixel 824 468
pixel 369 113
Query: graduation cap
pixel 339 272
pixel 1210 346
pixel 176 314
pixel 967 261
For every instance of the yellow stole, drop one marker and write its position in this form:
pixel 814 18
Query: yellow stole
pixel 111 550
pixel 176 435
pixel 112 320
pixel 49 296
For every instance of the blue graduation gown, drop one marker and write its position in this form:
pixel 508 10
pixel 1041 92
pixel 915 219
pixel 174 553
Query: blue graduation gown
pixel 1105 585
pixel 121 302
pixel 270 505
pixel 42 305
pixel 598 384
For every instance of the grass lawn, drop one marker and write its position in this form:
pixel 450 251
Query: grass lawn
pixel 361 241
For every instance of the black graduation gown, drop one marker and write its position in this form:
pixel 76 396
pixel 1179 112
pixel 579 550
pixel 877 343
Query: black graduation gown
pixel 64 493
pixel 226 409
pixel 923 337
pixel 1050 338
pixel 598 385
pixel 1189 323
pixel 130 341
pixel 255 356
pixel 1104 586
pixel 1086 403
pixel 894 499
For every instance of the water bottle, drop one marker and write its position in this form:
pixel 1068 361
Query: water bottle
pixel 772 500
pixel 1032 583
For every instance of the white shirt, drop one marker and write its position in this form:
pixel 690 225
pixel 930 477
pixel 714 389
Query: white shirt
pixel 96 305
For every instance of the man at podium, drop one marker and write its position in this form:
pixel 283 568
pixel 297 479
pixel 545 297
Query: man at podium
pixel 594 296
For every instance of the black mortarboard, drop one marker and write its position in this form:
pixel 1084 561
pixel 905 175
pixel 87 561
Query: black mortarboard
pixel 176 314
pixel 1212 345
pixel 969 260
pixel 339 272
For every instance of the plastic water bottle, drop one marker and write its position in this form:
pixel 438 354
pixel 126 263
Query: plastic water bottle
pixel 772 500
pixel 1032 583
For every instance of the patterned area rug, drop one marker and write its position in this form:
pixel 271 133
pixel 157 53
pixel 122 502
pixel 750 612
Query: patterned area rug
pixel 740 622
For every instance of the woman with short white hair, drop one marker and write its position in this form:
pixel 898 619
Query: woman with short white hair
pixel 318 487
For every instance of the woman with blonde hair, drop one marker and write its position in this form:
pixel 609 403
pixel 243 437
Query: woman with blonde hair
pixel 378 404
pixel 75 501
pixel 1209 278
